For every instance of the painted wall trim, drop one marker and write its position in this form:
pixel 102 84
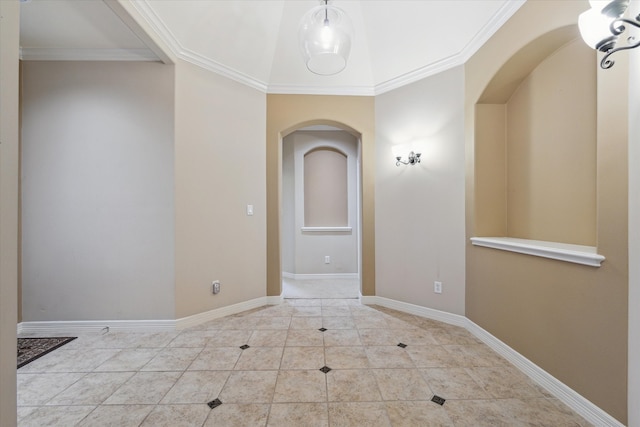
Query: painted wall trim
pixel 578 254
pixel 143 8
pixel 321 90
pixel 561 391
pixel 429 313
pixel 275 300
pixel 197 319
pixel 502 16
pixel 341 276
pixel 88 326
pixel 46 54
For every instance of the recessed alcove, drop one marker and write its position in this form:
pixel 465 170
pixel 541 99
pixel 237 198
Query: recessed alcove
pixel 535 150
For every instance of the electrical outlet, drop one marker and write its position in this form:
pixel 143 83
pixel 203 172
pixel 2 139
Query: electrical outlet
pixel 437 287
pixel 216 287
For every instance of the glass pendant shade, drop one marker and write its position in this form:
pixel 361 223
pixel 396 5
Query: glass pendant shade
pixel 325 39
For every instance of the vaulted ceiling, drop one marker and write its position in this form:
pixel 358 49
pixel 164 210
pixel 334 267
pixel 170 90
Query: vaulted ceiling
pixel 256 41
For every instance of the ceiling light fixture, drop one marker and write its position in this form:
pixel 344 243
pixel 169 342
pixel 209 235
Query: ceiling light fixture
pixel 602 25
pixel 325 36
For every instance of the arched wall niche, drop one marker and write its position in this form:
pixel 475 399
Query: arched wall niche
pixel 325 186
pixel 535 144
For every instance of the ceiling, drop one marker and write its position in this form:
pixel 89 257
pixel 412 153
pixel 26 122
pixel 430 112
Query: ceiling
pixel 255 42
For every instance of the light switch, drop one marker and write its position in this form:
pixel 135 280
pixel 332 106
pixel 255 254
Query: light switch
pixel 249 210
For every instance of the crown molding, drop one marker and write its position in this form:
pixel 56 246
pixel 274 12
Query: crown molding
pixel 194 58
pixel 156 24
pixel 418 74
pixel 497 20
pixel 54 54
pixel 490 28
pixel 321 90
pixel 222 70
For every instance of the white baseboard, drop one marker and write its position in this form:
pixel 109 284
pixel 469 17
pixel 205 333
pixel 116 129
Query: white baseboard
pixel 561 391
pixel 430 313
pixel 275 300
pixel 88 326
pixel 217 313
pixel 336 276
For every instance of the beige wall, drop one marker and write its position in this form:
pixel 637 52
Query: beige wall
pixel 490 180
pixel 286 113
pixel 219 170
pixel 551 150
pixel 97 194
pixel 420 208
pixel 571 320
pixel 9 161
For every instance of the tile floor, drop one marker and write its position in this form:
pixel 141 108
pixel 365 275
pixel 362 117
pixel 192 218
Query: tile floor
pixel 263 368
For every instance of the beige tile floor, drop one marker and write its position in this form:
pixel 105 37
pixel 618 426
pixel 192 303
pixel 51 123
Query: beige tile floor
pixel 167 379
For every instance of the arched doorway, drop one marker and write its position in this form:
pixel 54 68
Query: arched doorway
pixel 320 213
pixel 287 113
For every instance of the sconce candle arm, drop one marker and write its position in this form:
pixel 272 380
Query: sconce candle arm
pixel 618 27
pixel 412 159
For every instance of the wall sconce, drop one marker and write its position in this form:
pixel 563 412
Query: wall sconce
pixel 411 160
pixel 601 26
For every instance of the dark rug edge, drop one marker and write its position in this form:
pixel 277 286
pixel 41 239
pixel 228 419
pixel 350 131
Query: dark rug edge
pixel 39 355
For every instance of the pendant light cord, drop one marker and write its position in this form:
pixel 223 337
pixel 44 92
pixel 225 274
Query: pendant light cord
pixel 326 13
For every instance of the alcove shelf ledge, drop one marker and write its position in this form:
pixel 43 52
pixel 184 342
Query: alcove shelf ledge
pixel 577 254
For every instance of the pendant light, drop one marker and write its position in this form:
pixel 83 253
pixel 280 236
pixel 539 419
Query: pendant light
pixel 325 36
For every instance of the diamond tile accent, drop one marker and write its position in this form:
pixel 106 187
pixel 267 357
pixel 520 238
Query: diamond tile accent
pixel 214 403
pixel 322 329
pixel 244 347
pixel 401 345
pixel 439 400
pixel 325 369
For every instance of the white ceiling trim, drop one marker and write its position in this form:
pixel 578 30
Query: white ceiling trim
pixel 419 74
pixel 55 54
pixel 185 54
pixel 503 14
pixel 221 69
pixel 321 90
pixel 157 25
pixel 485 33
pixel 489 29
